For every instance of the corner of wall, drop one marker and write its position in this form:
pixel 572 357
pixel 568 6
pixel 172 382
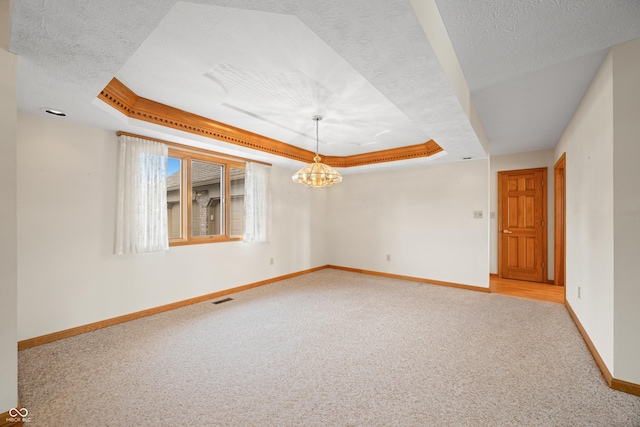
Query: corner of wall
pixel 626 210
pixel 588 143
pixel 8 217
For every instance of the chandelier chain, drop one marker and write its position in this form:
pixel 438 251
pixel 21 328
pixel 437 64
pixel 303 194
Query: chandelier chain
pixel 317 137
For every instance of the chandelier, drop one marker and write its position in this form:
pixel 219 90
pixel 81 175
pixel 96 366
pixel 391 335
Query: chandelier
pixel 317 174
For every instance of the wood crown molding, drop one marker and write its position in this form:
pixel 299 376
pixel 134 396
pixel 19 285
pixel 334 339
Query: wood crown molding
pixel 193 150
pixel 123 99
pixel 425 149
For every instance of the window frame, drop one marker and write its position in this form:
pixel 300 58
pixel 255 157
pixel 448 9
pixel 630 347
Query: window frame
pixel 186 196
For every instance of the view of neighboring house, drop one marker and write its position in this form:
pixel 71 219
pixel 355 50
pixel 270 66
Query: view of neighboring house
pixel 206 217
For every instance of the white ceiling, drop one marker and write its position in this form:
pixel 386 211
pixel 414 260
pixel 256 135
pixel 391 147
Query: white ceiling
pixel 267 73
pixel 267 66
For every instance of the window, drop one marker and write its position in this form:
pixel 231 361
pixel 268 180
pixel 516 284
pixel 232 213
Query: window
pixel 205 198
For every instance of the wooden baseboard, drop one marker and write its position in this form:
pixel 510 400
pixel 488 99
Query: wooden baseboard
pixel 44 339
pixel 625 386
pixel 614 383
pixel 592 348
pixel 411 278
pixel 5 420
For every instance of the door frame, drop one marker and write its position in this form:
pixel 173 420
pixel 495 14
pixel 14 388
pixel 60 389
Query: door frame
pixel 559 221
pixel 545 253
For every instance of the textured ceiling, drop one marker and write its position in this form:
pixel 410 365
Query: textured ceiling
pixel 498 40
pixel 207 60
pixel 268 65
pixel 528 63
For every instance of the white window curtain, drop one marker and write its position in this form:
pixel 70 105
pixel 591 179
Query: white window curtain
pixel 256 202
pixel 142 196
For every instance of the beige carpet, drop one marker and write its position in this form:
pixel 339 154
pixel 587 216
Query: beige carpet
pixel 330 348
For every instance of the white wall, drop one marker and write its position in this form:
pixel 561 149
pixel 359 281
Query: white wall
pixel 603 211
pixel 626 198
pixel 8 239
pixel 588 143
pixel 68 275
pixel 422 216
pixel 529 160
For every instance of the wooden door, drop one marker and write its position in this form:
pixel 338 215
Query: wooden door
pixel 522 210
pixel 559 216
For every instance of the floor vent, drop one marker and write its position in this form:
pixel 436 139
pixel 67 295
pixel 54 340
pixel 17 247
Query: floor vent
pixel 223 300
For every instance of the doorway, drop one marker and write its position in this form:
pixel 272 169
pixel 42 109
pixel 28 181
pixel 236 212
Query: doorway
pixel 559 220
pixel 522 225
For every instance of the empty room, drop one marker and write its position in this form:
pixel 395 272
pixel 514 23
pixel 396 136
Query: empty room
pixel 297 213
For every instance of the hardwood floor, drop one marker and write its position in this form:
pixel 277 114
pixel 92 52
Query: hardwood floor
pixel 530 290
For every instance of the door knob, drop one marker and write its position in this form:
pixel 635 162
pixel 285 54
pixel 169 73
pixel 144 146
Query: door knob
pixel 505 231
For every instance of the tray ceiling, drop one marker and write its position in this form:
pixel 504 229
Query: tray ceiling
pixel 267 66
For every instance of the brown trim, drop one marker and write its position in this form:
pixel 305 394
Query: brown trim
pixel 614 383
pixel 549 282
pixel 592 348
pixel 44 339
pixel 625 386
pixel 559 219
pixel 120 97
pixel 5 416
pixel 194 150
pixel 411 278
pixel 425 149
pixel 123 99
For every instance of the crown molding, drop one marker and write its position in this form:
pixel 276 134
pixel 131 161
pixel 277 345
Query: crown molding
pixel 425 149
pixel 123 99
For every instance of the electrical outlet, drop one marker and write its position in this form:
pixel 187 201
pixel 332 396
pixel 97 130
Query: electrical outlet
pixel 477 214
pixel 493 215
pixel 270 261
pixel 579 293
pixel 388 257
